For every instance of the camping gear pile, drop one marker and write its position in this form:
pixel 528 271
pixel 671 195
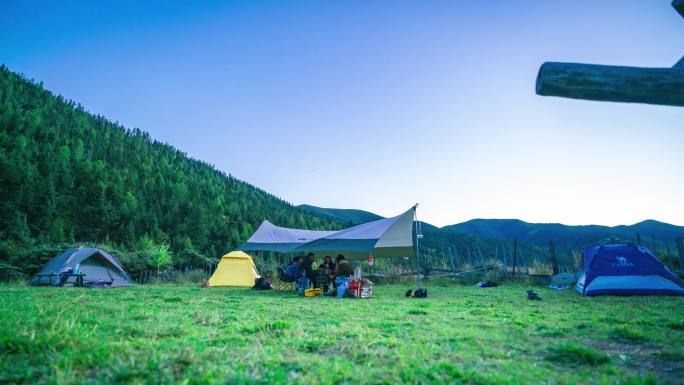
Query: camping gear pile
pixel 419 293
pixel 358 286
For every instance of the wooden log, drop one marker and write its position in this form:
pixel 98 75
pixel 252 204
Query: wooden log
pixel 679 6
pixel 680 63
pixel 612 83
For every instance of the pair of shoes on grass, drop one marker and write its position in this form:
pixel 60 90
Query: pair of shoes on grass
pixel 419 293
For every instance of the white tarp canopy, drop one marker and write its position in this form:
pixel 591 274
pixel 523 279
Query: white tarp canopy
pixel 388 237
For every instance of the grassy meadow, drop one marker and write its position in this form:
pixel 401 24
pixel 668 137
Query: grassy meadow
pixel 460 334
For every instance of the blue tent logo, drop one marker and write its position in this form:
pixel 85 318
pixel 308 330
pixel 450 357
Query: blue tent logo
pixel 622 262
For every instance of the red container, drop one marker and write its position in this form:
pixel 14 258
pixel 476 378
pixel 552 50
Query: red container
pixel 355 287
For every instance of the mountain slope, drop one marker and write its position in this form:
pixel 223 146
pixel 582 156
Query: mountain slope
pixel 351 216
pixel 67 176
pixel 510 229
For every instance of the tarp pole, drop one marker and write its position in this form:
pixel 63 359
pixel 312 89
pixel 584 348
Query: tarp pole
pixel 415 216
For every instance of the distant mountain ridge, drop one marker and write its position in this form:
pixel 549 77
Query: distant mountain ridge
pixel 510 229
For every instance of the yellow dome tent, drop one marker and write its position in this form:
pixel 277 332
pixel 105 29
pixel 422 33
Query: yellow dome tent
pixel 235 269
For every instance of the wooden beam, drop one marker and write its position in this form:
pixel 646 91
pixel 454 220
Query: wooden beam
pixel 680 63
pixel 612 83
pixel 679 6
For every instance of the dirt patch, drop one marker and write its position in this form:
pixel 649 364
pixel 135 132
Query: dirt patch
pixel 643 358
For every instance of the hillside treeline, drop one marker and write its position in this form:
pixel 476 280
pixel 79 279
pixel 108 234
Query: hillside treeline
pixel 67 176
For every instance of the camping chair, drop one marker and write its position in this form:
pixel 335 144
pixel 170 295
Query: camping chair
pixel 284 282
pixel 322 279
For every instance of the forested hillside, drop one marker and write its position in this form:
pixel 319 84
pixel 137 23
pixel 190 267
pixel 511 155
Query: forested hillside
pixel 67 176
pixel 350 217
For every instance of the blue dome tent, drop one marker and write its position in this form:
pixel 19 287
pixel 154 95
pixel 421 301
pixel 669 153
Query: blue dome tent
pixel 625 269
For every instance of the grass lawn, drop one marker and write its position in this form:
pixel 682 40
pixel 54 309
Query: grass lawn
pixel 460 334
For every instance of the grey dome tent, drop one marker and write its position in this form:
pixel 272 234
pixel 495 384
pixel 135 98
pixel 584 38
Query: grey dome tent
pixel 98 266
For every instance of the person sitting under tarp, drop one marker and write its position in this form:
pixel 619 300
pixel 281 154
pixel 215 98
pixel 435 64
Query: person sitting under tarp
pixel 343 271
pixel 292 268
pixel 325 274
pixel 306 268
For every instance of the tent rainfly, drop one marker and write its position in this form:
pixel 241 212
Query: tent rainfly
pixel 387 237
pixel 625 269
pixel 235 269
pixel 100 268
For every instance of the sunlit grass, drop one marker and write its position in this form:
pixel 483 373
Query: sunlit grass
pixel 460 334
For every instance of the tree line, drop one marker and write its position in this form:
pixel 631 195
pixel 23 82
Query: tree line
pixel 68 176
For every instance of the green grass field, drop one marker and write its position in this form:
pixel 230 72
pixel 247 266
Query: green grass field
pixel 460 334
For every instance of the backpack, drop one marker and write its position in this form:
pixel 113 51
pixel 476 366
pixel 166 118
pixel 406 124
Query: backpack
pixel 420 293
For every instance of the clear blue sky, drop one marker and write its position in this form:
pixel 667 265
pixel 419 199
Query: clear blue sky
pixel 377 105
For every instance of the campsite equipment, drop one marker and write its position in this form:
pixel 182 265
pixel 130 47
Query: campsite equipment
pixel 366 288
pixel 303 283
pixel 262 283
pixel 625 269
pixel 235 269
pixel 387 237
pixel 354 286
pixel 532 296
pixel 563 279
pixel 322 279
pixel 284 281
pixel 540 279
pixel 342 284
pixel 313 292
pixel 487 284
pixel 96 268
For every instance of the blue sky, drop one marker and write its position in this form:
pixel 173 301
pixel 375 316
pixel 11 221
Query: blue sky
pixel 377 105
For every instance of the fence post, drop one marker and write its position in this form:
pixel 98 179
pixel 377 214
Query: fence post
pixel 554 258
pixel 515 255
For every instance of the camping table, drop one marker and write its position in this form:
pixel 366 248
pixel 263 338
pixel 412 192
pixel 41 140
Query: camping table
pixel 79 277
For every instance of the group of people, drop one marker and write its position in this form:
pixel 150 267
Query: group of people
pixel 328 272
